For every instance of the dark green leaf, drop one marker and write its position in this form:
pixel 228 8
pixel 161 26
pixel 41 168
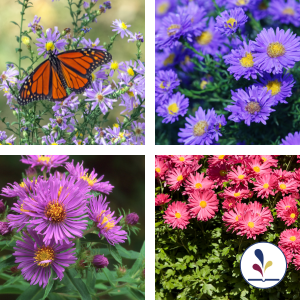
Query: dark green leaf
pixel 7 262
pixel 138 295
pixel 49 285
pixel 115 254
pixel 127 254
pixel 54 296
pixel 15 23
pixel 34 292
pixel 91 237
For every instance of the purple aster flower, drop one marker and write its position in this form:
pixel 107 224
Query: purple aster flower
pixel 100 261
pixel 285 12
pixel 121 28
pixel 79 172
pixel 279 84
pixel 107 4
pixel 132 218
pixel 275 51
pixel 252 105
pixel 91 44
pixel 45 161
pixel 37 259
pixel 202 129
pixel 3 135
pixel 2 206
pixel 165 83
pixel 86 5
pixel 291 139
pixel 10 75
pixel 163 7
pixel 71 102
pixel 173 26
pixel 260 10
pixel 10 140
pixel 231 20
pixel 50 42
pixel 34 25
pixel 136 37
pixel 51 140
pixel 97 94
pixel 242 63
pixel 244 4
pixel 4 228
pixel 173 108
pixel 31 172
pixel 139 132
pixel 105 221
pixel 58 209
pixel 94 1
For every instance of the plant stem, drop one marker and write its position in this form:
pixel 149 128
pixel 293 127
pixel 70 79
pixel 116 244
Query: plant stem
pixel 69 296
pixel 110 290
pixel 20 40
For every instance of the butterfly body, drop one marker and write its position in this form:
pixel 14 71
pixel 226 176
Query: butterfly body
pixel 70 69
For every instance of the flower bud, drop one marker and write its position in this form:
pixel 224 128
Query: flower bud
pixel 30 173
pixel 2 207
pixel 121 271
pixel 15 270
pixel 132 219
pixel 100 261
pixel 15 113
pixel 25 134
pixel 4 228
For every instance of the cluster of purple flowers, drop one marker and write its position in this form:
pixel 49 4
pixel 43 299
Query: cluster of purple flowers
pixel 181 43
pixel 126 88
pixel 52 211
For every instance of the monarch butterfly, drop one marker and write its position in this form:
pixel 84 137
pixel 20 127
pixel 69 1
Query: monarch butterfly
pixel 70 69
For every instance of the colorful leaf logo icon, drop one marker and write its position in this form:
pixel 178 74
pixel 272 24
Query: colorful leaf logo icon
pixel 256 267
pixel 268 264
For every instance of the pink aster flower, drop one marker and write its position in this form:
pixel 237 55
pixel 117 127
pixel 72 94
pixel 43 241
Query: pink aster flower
pixel 177 215
pixel 287 186
pixel 283 205
pixel 290 240
pixel 217 159
pixel 203 204
pixel 283 174
pixel 237 193
pixel 232 217
pixel 290 215
pixel 238 176
pixel 45 161
pixel 104 219
pixel 79 172
pixel 296 262
pixel 176 177
pixel 263 212
pixel 265 185
pixel 288 254
pixel 238 159
pixel 269 160
pixel 197 182
pixel 229 203
pixel 160 168
pixel 257 168
pixel 218 174
pixel 182 160
pixel 162 199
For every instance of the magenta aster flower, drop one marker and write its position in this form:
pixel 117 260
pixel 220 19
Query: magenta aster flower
pixel 237 193
pixel 265 185
pixel 263 212
pixel 287 186
pixel 176 177
pixel 238 176
pixel 284 204
pixel 105 221
pixel 37 259
pixel 229 203
pixel 177 215
pixel 288 254
pixel 218 174
pixel 162 199
pixel 290 216
pixel 197 182
pixel 45 161
pixel 95 183
pixel 59 208
pixel 4 228
pixel 100 261
pixel 290 240
pixel 232 217
pixel 257 168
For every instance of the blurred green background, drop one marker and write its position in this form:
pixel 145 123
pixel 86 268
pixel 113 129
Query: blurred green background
pixel 125 172
pixel 56 14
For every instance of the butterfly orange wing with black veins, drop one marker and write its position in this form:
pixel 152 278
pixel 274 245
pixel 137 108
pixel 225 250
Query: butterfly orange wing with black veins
pixel 77 66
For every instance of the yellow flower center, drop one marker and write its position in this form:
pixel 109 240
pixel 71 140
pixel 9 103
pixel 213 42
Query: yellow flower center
pixel 44 256
pixel 25 40
pixel 107 219
pixel 173 29
pixel 114 65
pixel 54 144
pixel 221 156
pixel 241 177
pixel 293 238
pixel 252 107
pixel 49 46
pixel 169 60
pixel 99 97
pixel 43 158
pixel 287 207
pixel 157 170
pixel 288 11
pixel 163 8
pixel 123 26
pixel 237 217
pixel 173 109
pixel 264 159
pixel 231 22
pixel 275 49
pixel 198 185
pixel 178 215
pixel 130 94
pixel 223 173
pixel 116 125
pixel 292 215
pixel 274 86
pixel 251 224
pixel 86 177
pixel 55 211
pixel 199 128
pixel 247 61
pixel 282 186
pixel 236 194
pixel 93 77
pixel 181 158
pixel 205 38
pixel 203 204
pixel 241 2
pixel 266 185
pixel 256 169
pixel 162 85
pixel 130 71
pixel 262 6
pixel 203 84
pixel 180 177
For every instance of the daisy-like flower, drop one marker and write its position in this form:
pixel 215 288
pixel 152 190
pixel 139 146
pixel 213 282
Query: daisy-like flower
pixel 10 75
pixel 260 10
pixel 263 212
pixel 121 28
pixel 290 240
pixel 202 129
pixel 280 86
pixel 100 213
pixel 182 160
pixel 238 176
pixel 242 63
pixel 50 140
pixel 90 44
pixel 45 161
pixel 176 178
pixel 217 159
pixel 162 199
pixel 218 174
pixel 173 108
pixel 203 204
pixel 229 203
pixel 291 139
pixel 231 20
pixel 265 185
pixel 50 42
pixel 257 168
pixel 34 25
pixel 284 204
pixel 162 7
pixel 283 174
pixel 287 186
pixel 275 51
pixel 288 254
pixel 296 261
pixel 237 193
pixel 79 172
pixel 232 217
pixel 290 216
pixel 252 105
pixel 177 215
pixel 36 259
pixel 197 182
pixel 58 208
pixel 98 94
pixel 268 159
pixel 160 168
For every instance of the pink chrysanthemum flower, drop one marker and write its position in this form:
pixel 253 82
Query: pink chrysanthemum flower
pixel 238 159
pixel 238 176
pixel 45 161
pixel 288 254
pixel 263 212
pixel 198 157
pixel 182 160
pixel 250 225
pixel 203 204
pixel 287 187
pixel 283 205
pixel 177 215
pixel 162 199
pixel 79 172
pixel 232 217
pixel 283 174
pixel 290 216
pixel 160 168
pixel 290 240
pixel 176 178
pixel 269 160
pixel 237 193
pixel 217 159
pixel 197 182
pixel 218 173
pixel 257 168
pixel 296 261
pixel 229 203
pixel 265 185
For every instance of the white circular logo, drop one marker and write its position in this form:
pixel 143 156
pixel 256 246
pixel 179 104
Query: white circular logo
pixel 263 265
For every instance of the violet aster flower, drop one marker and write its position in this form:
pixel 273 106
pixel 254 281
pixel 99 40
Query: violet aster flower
pixel 252 105
pixel 58 209
pixel 132 218
pixel 139 132
pixel 3 136
pixel 121 28
pixel 172 109
pixel 2 206
pixel 105 221
pixel 285 12
pixel 260 10
pixel 100 261
pixel 244 4
pixel 275 51
pixel 4 228
pixel 10 75
pixel 202 129
pixel 37 259
pixel 50 140
pixel 136 37
pixel 291 139
pixel 90 44
pixel 279 84
pixel 34 25
pixel 50 42
pixel 231 20
pixel 79 172
pixel 163 7
pixel 107 4
pixel 97 94
pixel 86 5
pixel 45 161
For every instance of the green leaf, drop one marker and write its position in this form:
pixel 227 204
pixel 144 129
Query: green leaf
pixel 34 292
pixel 91 281
pixel 115 254
pixel 109 276
pixel 138 295
pixel 7 262
pixel 91 237
pixel 208 288
pixel 78 284
pixel 138 264
pixel 15 23
pixel 127 254
pixel 49 285
pixel 54 296
pixel 11 290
